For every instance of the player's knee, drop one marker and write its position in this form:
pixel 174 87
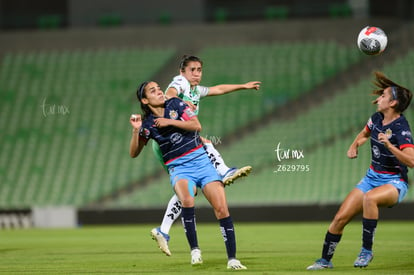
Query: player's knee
pixel 221 211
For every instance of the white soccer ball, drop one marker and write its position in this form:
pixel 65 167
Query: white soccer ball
pixel 372 40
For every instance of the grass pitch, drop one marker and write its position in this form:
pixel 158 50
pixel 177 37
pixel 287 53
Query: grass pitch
pixel 265 248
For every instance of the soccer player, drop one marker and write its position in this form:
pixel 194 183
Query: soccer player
pixel 386 182
pixel 175 127
pixel 186 86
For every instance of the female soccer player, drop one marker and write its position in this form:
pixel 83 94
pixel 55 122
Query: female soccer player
pixel 186 86
pixel 175 127
pixel 386 182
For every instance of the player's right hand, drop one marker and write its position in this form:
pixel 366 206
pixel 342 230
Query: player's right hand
pixel 192 106
pixel 135 121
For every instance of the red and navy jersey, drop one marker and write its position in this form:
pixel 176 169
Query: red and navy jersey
pixel 174 142
pixel 399 134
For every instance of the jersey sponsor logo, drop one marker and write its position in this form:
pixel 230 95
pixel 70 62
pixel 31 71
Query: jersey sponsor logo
pixel 406 133
pixel 173 114
pixel 176 138
pixel 376 151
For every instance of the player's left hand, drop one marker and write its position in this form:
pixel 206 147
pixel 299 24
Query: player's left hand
pixel 161 122
pixel 384 139
pixel 253 85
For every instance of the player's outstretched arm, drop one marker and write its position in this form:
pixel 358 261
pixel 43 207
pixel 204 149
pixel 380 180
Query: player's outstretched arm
pixel 228 88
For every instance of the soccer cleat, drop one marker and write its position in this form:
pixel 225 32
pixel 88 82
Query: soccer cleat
pixel 161 239
pixel 234 173
pixel 235 264
pixel 320 264
pixel 364 258
pixel 196 257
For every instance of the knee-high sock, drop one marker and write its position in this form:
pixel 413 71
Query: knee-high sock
pixel 229 236
pixel 368 232
pixel 189 224
pixel 329 245
pixel 172 213
pixel 216 159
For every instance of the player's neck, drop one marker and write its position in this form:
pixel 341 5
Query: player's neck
pixel 157 111
pixel 390 116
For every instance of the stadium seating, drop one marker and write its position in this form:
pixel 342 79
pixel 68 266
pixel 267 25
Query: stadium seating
pixel 65 115
pixel 66 134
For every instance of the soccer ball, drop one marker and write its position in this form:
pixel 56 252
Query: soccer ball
pixel 372 40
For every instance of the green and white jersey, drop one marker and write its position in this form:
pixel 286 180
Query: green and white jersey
pixel 181 84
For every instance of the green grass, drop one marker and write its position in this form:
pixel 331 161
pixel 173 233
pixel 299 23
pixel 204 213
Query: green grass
pixel 265 248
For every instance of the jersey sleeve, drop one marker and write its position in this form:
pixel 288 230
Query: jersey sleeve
pixel 369 125
pixel 203 91
pixel 184 110
pixel 404 137
pixel 144 134
pixel 180 84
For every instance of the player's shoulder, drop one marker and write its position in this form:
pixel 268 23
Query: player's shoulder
pixel 174 102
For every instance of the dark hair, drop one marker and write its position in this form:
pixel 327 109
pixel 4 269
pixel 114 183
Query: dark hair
pixel 189 58
pixel 399 93
pixel 140 95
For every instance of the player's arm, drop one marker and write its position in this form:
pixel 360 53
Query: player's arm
pixel 404 155
pixel 360 139
pixel 192 124
pixel 172 92
pixel 228 88
pixel 136 144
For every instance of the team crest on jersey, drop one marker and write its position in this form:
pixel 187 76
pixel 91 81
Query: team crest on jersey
pixel 388 133
pixel 173 114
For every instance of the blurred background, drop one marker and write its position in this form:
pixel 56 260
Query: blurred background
pixel 69 70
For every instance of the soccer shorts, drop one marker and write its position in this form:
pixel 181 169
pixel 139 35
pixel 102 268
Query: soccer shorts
pixel 194 167
pixel 373 179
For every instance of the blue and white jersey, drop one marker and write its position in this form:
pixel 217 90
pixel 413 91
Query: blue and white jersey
pixel 183 87
pixel 174 142
pixel 399 134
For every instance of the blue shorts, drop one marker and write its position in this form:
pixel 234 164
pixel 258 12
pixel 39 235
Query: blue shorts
pixel 373 179
pixel 195 167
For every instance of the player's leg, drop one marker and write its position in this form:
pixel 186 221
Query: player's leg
pixel 185 191
pixel 228 174
pixel 160 234
pixel 351 206
pixel 214 192
pixel 173 211
pixel 385 195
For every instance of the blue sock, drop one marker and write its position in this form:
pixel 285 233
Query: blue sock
pixel 227 230
pixel 189 223
pixel 368 232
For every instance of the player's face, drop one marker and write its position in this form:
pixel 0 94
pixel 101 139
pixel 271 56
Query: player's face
pixel 385 100
pixel 154 96
pixel 193 72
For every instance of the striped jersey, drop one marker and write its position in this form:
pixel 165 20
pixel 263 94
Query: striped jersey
pixel 399 134
pixel 174 142
pixel 183 87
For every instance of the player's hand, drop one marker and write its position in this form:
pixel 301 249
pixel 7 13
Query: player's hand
pixel 352 152
pixel 191 105
pixel 135 121
pixel 162 122
pixel 384 139
pixel 253 85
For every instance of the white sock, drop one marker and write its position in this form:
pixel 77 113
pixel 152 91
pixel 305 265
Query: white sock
pixel 172 213
pixel 216 159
